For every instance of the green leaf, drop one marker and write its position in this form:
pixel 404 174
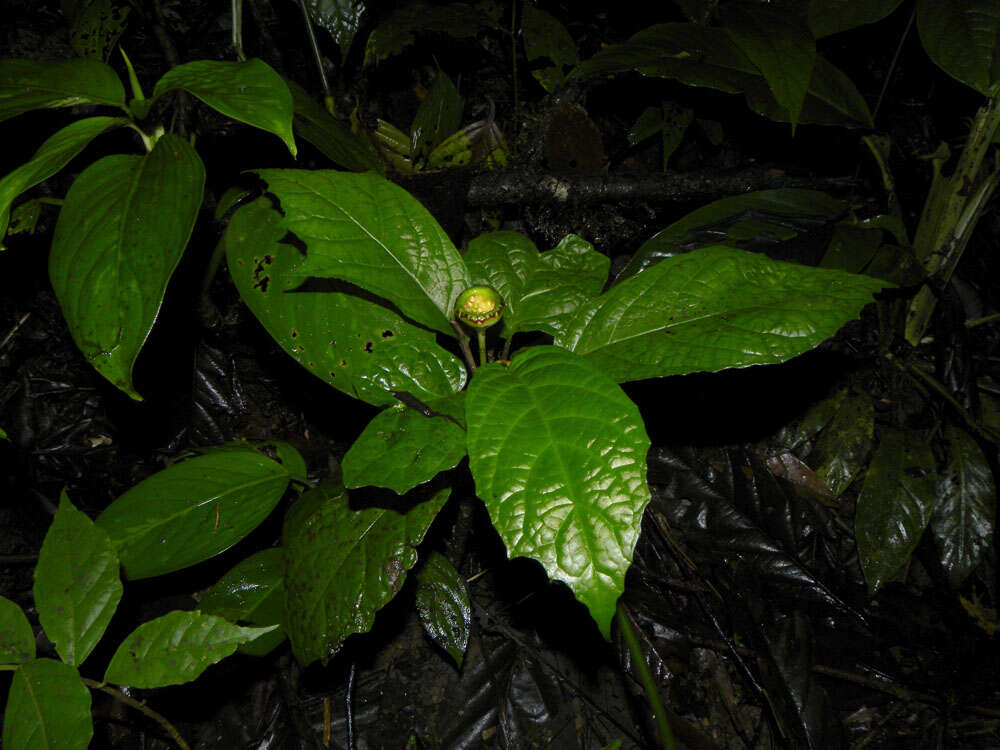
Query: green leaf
pixel 176 648
pixel 541 291
pixel 17 641
pixel 363 229
pixel 895 505
pixel 780 46
pixel 401 447
pixel 77 585
pixel 343 565
pixel 439 115
pixel 558 453
pixel 960 36
pixel 741 218
pixel 443 604
pixel 712 309
pixel 669 120
pixel 358 347
pixel 48 708
pixel 851 248
pixel 842 449
pixel 545 37
pixel 341 18
pixel 118 239
pixel 322 130
pixel 58 151
pixel 96 27
pixel 252 592
pixel 706 56
pixel 248 91
pixel 291 459
pixel 192 510
pixel 28 84
pixel 397 32
pixel 965 515
pixel 828 17
pixel 480 142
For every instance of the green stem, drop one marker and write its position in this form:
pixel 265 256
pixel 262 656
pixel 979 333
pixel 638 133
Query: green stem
pixel 481 335
pixel 639 663
pixel 238 30
pixel 892 65
pixel 141 707
pixel 463 342
pixel 317 57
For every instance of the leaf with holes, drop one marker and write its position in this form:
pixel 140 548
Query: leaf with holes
pixel 339 334
pixel 77 585
pixel 558 453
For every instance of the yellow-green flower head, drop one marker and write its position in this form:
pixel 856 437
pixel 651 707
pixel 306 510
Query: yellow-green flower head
pixel 479 306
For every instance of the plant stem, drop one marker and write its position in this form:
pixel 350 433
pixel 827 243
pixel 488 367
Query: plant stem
pixel 238 30
pixel 892 65
pixel 481 335
pixel 506 348
pixel 141 707
pixel 639 662
pixel 463 342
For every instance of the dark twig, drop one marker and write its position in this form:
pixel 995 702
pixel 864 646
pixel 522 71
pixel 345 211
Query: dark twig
pixel 349 708
pixel 141 707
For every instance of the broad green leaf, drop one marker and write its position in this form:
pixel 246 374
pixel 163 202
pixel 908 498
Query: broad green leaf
pixel 342 565
pixel 291 459
pixel 558 453
pixel 341 18
pixel 176 648
pixel 546 38
pixel 842 449
pixel 712 309
pixel 322 130
pixel 706 56
pixel 965 516
pixel 28 84
pixel 397 32
pixel 851 248
pixel 401 447
pixel 443 604
pixel 895 505
pixel 541 291
pixel 780 46
pixel 741 218
pixel 48 708
pixel 252 592
pixel 439 115
pixel 960 36
pixel 828 17
pixel 58 151
pixel 192 510
pixel 248 91
pixel 17 641
pixel 77 585
pixel 363 229
pixel 359 347
pixel 669 120
pixel 118 239
pixel 96 27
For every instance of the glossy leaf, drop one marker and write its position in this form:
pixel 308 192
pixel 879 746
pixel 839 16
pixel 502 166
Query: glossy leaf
pixel 833 16
pixel 780 46
pixel 176 648
pixel 712 309
pixel 17 641
pixel 96 27
pixel 333 139
pixel 965 516
pixel 706 56
pixel 439 115
pixel 363 229
pixel 248 91
pixel 558 454
pixel 192 510
pixel 343 565
pixel 895 505
pixel 48 708
pixel 361 348
pixel 443 604
pixel 480 142
pixel 77 585
pixel 960 36
pixel 30 84
pixel 252 592
pixel 842 449
pixel 402 447
pixel 541 291
pixel 58 151
pixel 546 38
pixel 397 32
pixel 291 459
pixel 341 18
pixel 739 219
pixel 119 237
